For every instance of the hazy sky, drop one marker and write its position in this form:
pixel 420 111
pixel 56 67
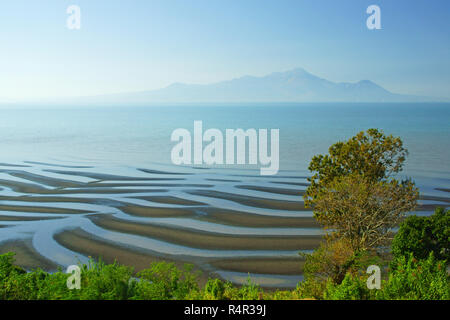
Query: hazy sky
pixel 148 44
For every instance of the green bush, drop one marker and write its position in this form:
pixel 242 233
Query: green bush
pixel 100 281
pixel 312 288
pixel 353 287
pixel 422 235
pixel 411 280
pixel 17 284
pixel 164 281
pixel 214 289
pixel 417 279
pixel 249 291
pixel 283 295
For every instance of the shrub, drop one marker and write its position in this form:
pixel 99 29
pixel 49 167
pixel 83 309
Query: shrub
pixel 214 289
pixel 284 295
pixel 417 279
pixel 164 281
pixel 311 288
pixel 17 284
pixel 249 291
pixel 422 235
pixel 100 281
pixel 353 287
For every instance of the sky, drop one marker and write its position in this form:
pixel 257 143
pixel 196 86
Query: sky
pixel 136 45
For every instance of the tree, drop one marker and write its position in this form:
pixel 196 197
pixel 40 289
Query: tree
pixel 329 264
pixel 332 259
pixel 371 154
pixel 362 210
pixel 353 192
pixel 420 236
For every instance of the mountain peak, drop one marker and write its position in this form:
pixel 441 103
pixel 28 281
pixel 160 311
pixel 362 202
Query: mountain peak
pixel 367 83
pixel 298 71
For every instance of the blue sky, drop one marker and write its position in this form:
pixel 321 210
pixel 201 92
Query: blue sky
pixel 148 44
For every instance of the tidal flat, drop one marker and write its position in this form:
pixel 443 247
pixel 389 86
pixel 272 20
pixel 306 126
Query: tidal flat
pixel 226 225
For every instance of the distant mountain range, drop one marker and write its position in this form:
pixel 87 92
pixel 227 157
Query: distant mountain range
pixel 296 85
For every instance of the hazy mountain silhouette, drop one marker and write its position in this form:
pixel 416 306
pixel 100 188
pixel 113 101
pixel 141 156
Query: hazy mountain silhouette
pixel 296 85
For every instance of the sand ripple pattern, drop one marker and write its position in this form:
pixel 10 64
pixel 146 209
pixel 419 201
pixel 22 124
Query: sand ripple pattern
pixel 227 223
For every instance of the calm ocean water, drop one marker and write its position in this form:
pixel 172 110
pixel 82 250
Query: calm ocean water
pixel 136 136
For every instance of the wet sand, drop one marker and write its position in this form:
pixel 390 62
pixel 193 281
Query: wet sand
pixel 205 213
pixel 154 212
pixel 39 198
pixel 41 209
pixel 430 207
pixel 58 165
pixel 48 181
pixel 288 192
pixel 164 172
pixel 244 219
pixel 82 242
pixel 299 184
pixel 278 266
pixel 86 244
pixel 207 240
pixel 97 176
pixel 2 164
pixel 172 200
pixel 253 201
pixel 18 218
pixel 433 198
pixel 26 256
pixel 39 190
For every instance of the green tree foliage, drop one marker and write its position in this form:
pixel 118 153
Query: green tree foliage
pixel 332 260
pixel 371 154
pixel 422 235
pixel 362 210
pixel 353 193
